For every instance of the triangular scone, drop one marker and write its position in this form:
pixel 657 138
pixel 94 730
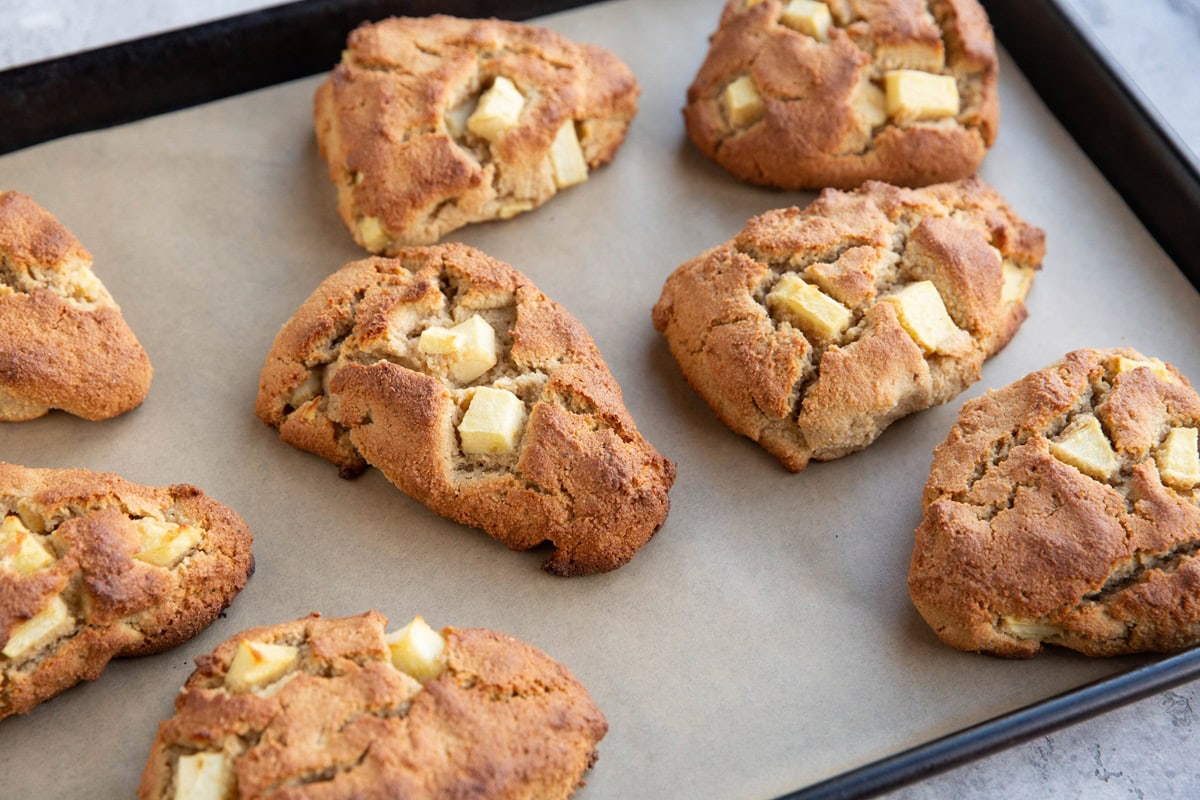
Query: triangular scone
pixel 475 394
pixel 814 329
pixel 429 124
pixel 338 708
pixel 93 567
pixel 63 341
pixel 1064 509
pixel 801 94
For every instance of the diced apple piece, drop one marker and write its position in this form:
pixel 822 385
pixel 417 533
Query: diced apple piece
pixel 809 309
pixel 417 650
pixel 915 95
pixel 1179 459
pixel 164 543
pixel 1016 283
pixel 510 210
pixel 498 110
pixel 870 103
pixel 924 317
pixel 372 234
pixel 808 17
pixel 456 119
pixel 492 422
pixel 1084 446
pixel 743 104
pixel 204 776
pixel 21 550
pixel 470 345
pixel 1029 629
pixel 437 341
pixel 566 157
pixel 259 663
pixel 39 630
pixel 1123 364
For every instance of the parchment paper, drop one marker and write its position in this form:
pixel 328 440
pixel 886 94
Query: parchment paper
pixel 762 641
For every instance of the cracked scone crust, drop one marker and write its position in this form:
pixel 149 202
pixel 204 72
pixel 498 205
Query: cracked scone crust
pixel 78 559
pixel 347 380
pixel 818 121
pixel 810 393
pixel 1020 547
pixel 502 721
pixel 391 123
pixel 63 341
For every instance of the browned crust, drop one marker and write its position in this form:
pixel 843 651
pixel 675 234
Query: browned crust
pixel 583 478
pixel 800 400
pixel 503 721
pixel 810 136
pixel 1011 531
pixel 121 606
pixel 61 346
pixel 381 115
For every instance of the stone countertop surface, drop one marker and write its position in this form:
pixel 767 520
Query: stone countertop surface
pixel 1145 750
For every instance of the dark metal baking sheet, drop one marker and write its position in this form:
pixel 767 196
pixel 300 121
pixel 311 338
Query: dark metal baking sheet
pixel 1137 154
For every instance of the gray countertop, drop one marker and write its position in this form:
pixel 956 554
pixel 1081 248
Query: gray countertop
pixel 1145 750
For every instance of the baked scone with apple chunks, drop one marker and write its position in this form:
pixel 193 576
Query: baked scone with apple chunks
pixel 429 124
pixel 475 394
pixel 338 708
pixel 63 341
pixel 813 330
pixel 800 94
pixel 93 567
pixel 1064 509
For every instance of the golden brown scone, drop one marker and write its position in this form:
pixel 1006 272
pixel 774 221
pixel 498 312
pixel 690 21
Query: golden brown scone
pixel 833 94
pixel 63 341
pixel 813 330
pixel 332 713
pixel 93 567
pixel 352 378
pixel 1065 509
pixel 409 154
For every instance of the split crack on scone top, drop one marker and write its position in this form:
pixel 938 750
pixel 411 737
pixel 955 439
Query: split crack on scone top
pixel 475 394
pixel 340 705
pixel 812 330
pixel 63 341
pixel 1065 509
pixel 430 124
pixel 802 94
pixel 93 567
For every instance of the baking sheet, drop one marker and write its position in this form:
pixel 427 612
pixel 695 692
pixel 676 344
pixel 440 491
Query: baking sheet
pixel 762 641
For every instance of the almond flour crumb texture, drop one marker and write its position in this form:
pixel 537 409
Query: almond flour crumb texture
pixel 1065 509
pixel 813 330
pixel 430 124
pixel 800 94
pixel 475 394
pixel 93 567
pixel 63 341
pixel 340 712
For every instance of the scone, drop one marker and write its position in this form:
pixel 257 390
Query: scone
pixel 63 341
pixel 475 394
pixel 1065 509
pixel 433 123
pixel 806 95
pixel 813 330
pixel 337 709
pixel 93 567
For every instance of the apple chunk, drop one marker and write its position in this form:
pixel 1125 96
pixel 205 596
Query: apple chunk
pixel 492 422
pixel 259 663
pixel 204 776
pixel 417 650
pixel 470 347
